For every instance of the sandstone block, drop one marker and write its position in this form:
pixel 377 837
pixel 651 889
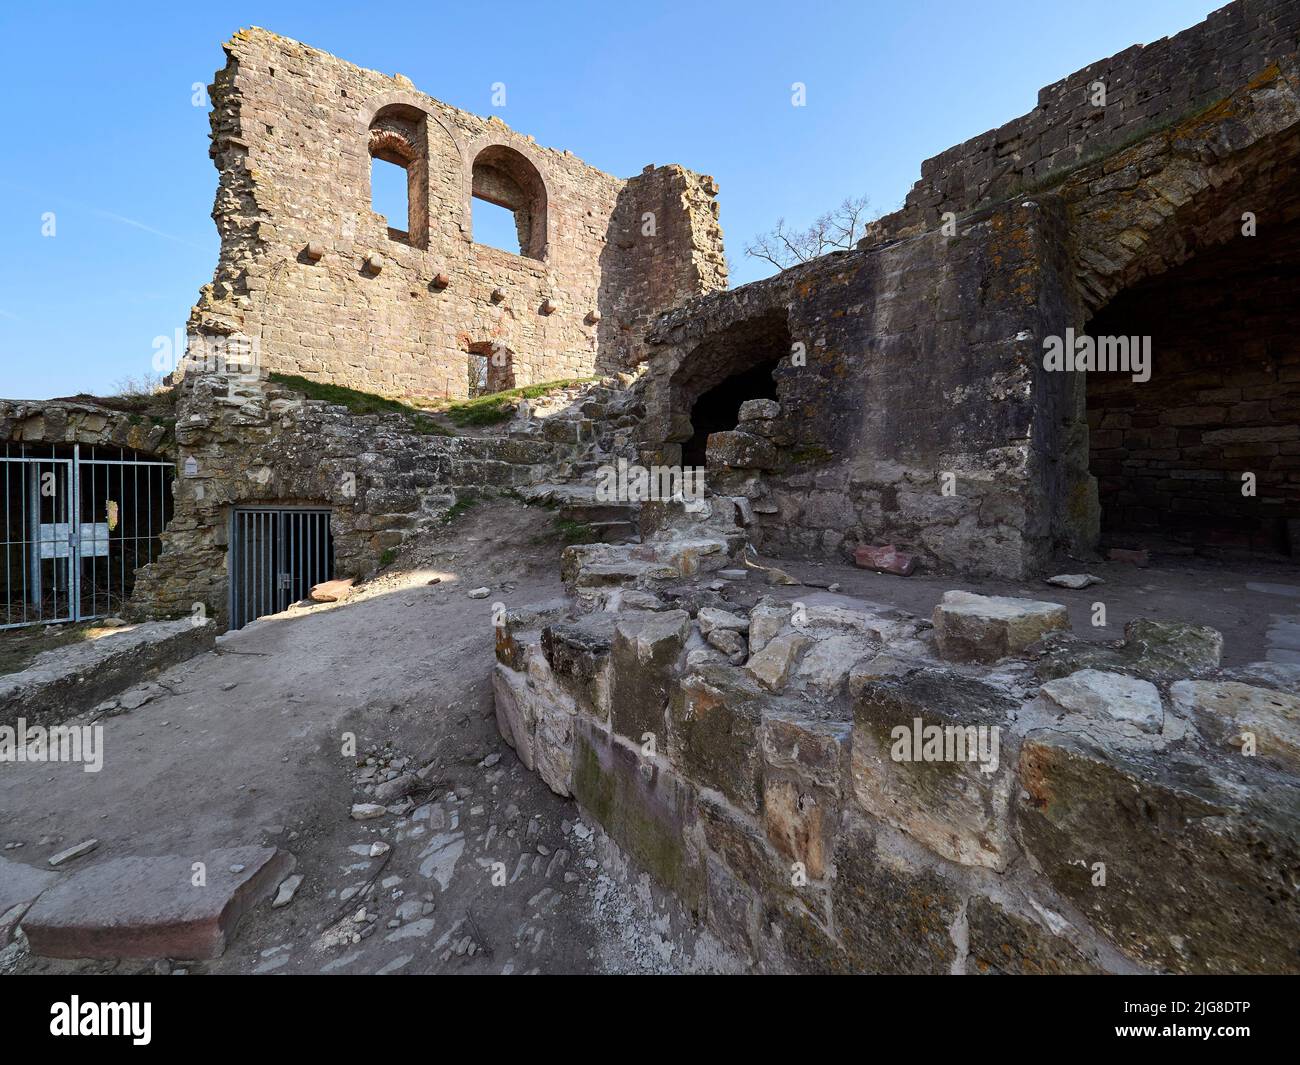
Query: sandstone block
pixel 1151 849
pixel 714 732
pixel 738 450
pixel 884 559
pixel 933 756
pixel 646 808
pixel 1244 718
pixel 1109 696
pixel 771 666
pixel 139 907
pixel 985 628
pixel 644 656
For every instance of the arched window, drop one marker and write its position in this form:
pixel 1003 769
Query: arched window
pixel 399 173
pixel 507 181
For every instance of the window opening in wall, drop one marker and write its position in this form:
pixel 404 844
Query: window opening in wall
pixel 495 226
pixel 389 197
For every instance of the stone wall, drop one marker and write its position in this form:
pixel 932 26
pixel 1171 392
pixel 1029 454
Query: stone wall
pixel 1146 88
pixel 243 441
pixel 922 413
pixel 913 415
pixel 323 286
pixel 86 422
pixel 741 744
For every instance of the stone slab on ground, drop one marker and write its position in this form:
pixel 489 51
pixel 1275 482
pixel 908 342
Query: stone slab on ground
pixel 331 591
pixel 985 628
pixel 150 907
pixel 20 885
pixel 72 679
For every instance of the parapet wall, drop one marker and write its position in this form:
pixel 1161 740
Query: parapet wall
pixel 325 287
pixel 829 785
pixel 1146 88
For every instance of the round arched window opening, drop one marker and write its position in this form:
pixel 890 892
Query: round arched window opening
pixel 505 179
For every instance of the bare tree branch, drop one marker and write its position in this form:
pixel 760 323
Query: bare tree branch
pixel 835 230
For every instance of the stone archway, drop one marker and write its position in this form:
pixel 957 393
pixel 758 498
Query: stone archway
pixel 1182 241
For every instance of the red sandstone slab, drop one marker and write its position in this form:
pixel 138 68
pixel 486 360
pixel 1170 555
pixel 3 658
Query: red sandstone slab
pixel 20 886
pixel 150 907
pixel 885 559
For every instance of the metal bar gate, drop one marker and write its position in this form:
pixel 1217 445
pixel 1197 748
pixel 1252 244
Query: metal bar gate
pixel 78 523
pixel 277 555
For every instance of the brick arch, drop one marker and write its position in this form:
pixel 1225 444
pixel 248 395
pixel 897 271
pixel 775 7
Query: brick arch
pixel 512 175
pixel 402 127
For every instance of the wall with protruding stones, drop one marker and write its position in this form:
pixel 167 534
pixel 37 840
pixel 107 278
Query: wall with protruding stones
pixel 291 132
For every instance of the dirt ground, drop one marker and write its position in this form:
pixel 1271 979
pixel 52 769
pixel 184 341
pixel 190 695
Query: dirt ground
pixel 490 872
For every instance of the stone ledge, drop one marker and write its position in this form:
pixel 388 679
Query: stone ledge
pixel 71 680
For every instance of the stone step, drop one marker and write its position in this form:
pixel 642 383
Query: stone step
pixel 151 907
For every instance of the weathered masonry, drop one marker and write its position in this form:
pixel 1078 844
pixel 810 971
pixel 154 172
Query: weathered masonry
pixel 831 784
pixel 311 280
pixel 1152 195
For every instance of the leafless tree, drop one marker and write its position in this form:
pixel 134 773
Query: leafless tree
pixel 839 229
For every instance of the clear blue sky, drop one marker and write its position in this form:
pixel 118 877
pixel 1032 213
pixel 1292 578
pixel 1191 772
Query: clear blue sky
pixel 100 129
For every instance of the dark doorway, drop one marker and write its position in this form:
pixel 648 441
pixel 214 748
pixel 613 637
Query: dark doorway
pixel 1205 454
pixel 739 363
pixel 718 409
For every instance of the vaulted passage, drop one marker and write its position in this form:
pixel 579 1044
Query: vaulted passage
pixel 1221 410
pixel 735 366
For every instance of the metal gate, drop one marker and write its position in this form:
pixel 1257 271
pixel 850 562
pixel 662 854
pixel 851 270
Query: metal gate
pixel 78 523
pixel 276 557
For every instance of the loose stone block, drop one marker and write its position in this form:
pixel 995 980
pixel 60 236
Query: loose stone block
pixel 985 628
pixel 884 559
pixel 139 907
pixel 1110 696
pixel 765 621
pixel 740 451
pixel 933 756
pixel 771 666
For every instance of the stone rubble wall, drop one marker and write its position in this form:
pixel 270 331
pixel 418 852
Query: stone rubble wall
pixel 245 441
pixel 1147 87
pixel 87 423
pixel 290 139
pixel 736 740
